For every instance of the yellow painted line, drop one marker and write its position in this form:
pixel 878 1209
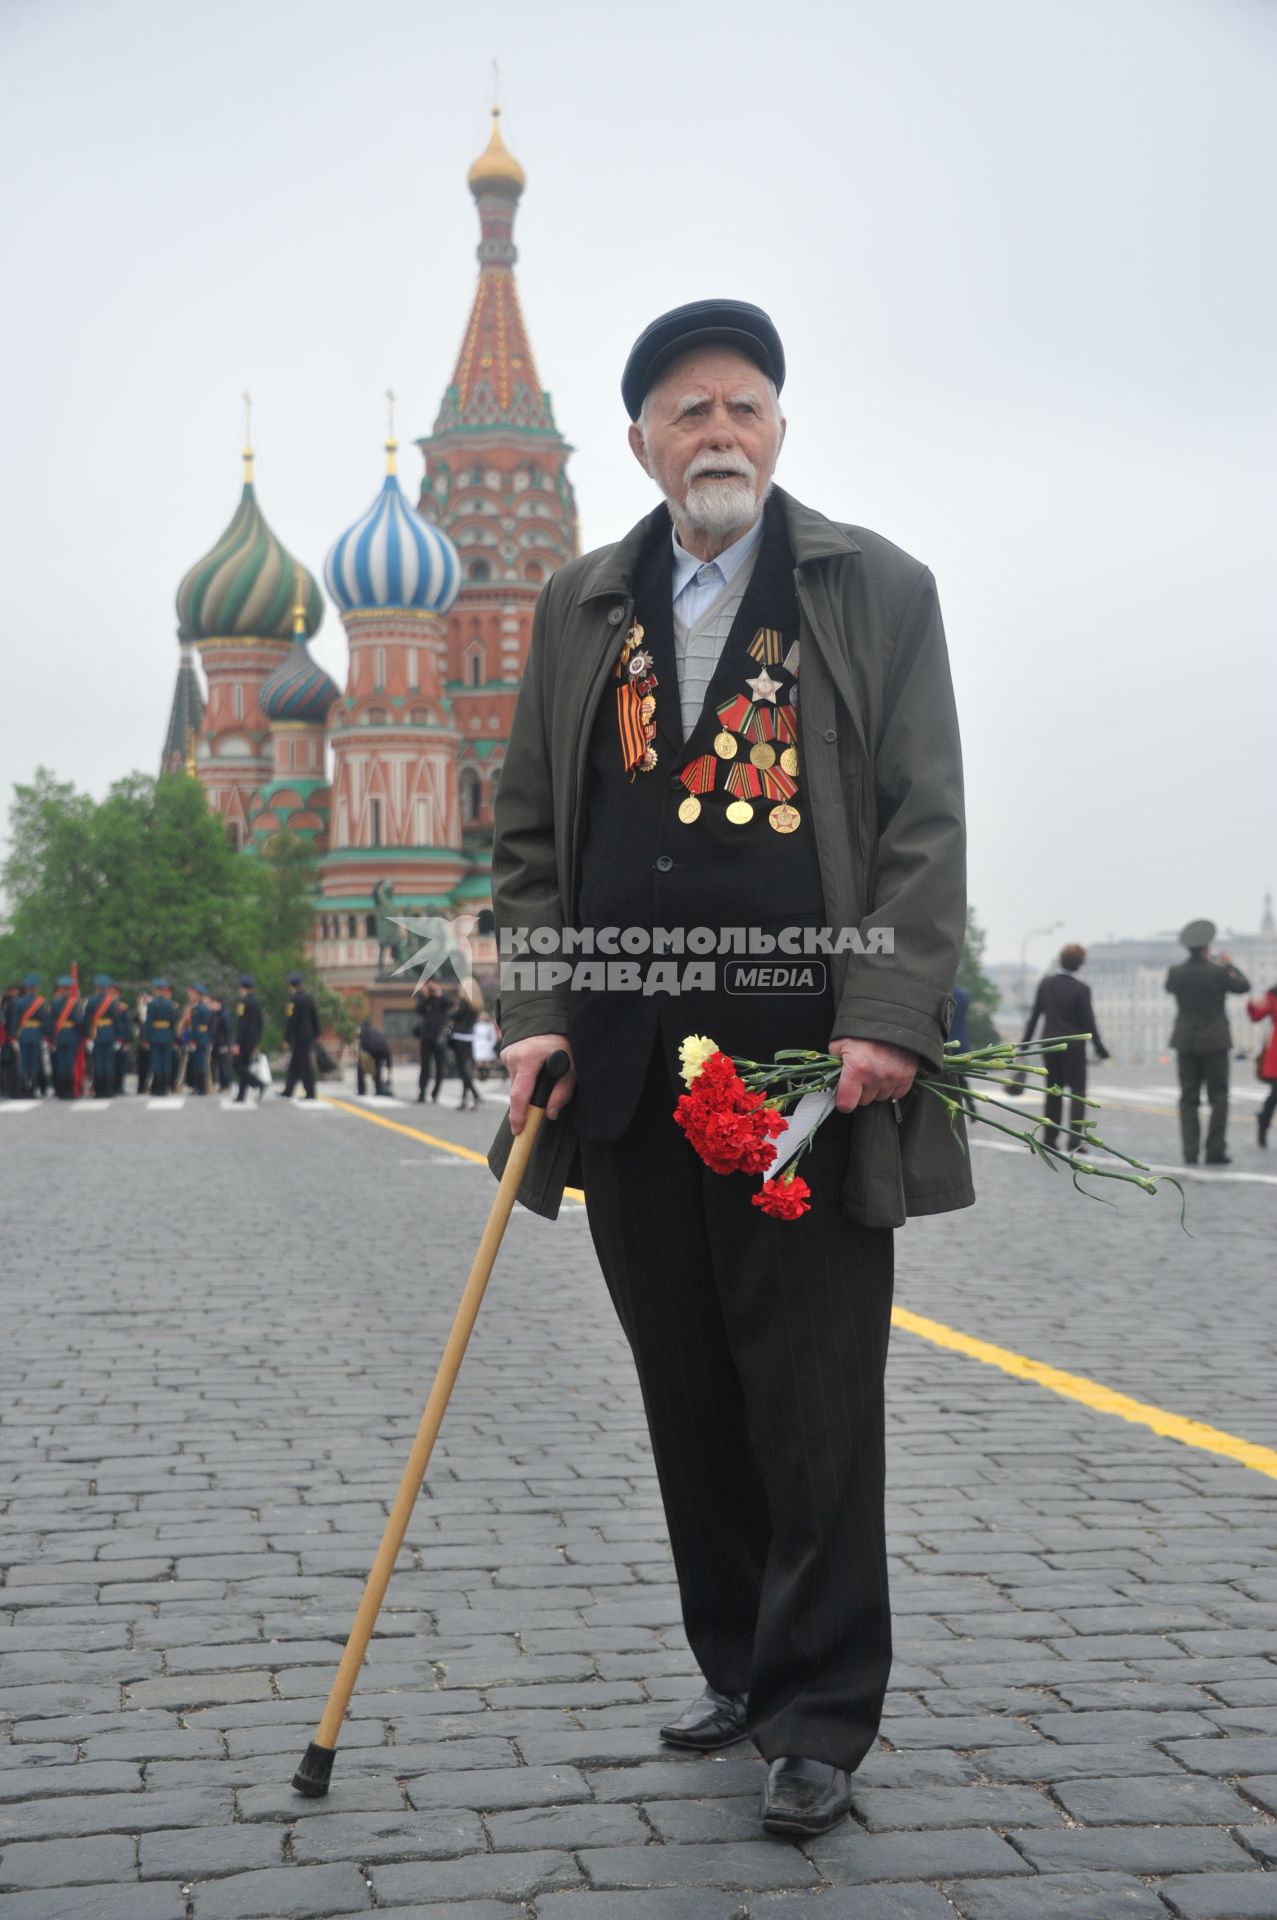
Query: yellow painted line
pixel 1090 1393
pixel 429 1139
pixel 1072 1386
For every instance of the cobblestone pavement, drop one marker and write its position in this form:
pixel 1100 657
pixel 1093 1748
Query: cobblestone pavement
pixel 220 1327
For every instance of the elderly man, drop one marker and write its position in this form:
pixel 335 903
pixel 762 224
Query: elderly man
pixel 706 796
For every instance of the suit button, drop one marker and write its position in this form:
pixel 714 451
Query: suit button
pixel 675 781
pixel 663 863
pixel 615 616
pixel 830 734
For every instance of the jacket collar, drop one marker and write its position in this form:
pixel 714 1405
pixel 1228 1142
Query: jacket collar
pixel 611 570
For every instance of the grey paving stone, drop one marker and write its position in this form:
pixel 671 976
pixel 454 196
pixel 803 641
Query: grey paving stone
pixel 583 1825
pixel 1057 1896
pixel 1261 1841
pixel 1142 1850
pixel 754 1866
pixel 282 1893
pixel 22 1782
pixel 684 1820
pixel 67 1863
pixel 1237 1754
pixel 897 1901
pixel 517 1876
pixel 1086 1729
pixel 666 1903
pixel 1170 1799
pixel 115 1813
pixel 277 1801
pixel 1052 1763
pixel 960 1731
pixel 200 1853
pixel 849 1857
pixel 114 1901
pixel 437 1834
pixel 1221 1896
pixel 490 1789
pixel 691 1778
pixel 891 1808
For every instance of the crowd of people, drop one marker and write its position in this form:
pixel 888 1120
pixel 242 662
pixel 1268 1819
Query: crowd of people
pixel 72 1046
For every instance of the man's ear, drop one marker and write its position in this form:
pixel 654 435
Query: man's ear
pixel 638 447
pixel 783 426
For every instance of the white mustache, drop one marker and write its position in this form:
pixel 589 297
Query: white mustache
pixel 721 463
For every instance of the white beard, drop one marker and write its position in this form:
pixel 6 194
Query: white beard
pixel 719 506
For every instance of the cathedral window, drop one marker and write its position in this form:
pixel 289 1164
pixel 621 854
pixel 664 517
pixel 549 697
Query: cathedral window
pixel 379 668
pixel 370 926
pixel 232 833
pixel 413 681
pixel 533 570
pixel 479 570
pixel 237 701
pixel 352 927
pixel 476 668
pixel 471 795
pixel 375 813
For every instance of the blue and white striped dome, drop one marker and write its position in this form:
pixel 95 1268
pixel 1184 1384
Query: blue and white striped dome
pixel 392 557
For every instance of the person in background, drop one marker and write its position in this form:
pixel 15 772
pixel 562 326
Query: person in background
pixel 8 1047
pixel 484 1042
pixel 374 1060
pixel 99 1026
pixel 468 1007
pixel 30 1013
pixel 200 1028
pixel 161 1028
pixel 66 1025
pixel 431 1029
pixel 1202 1041
pixel 143 1042
pixel 220 1043
pixel 301 1031
pixel 1266 1065
pixel 1063 1005
pixel 122 1031
pixel 249 1025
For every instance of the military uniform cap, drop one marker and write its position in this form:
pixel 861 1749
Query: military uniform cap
pixel 160 986
pixel 701 323
pixel 30 979
pixel 101 979
pixel 246 980
pixel 1198 933
pixel 294 979
pixel 65 980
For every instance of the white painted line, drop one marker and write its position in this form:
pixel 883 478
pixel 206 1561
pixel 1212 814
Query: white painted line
pixel 1212 1174
pixel 92 1106
pixel 18 1106
pixel 230 1105
pixel 166 1103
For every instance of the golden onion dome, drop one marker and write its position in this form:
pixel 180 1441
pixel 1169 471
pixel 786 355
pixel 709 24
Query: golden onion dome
pixel 496 170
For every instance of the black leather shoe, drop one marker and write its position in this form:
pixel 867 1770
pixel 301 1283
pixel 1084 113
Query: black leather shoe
pixel 715 1720
pixel 1219 1159
pixel 805 1796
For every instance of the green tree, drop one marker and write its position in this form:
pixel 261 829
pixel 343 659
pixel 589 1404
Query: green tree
pixel 145 883
pixel 984 994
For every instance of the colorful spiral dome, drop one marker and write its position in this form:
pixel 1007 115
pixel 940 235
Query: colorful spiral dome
pixel 298 689
pixel 244 587
pixel 392 557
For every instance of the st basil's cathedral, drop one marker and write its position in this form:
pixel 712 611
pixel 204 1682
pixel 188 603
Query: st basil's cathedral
pixel 437 602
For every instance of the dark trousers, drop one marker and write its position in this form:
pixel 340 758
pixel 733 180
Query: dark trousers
pixel 30 1063
pixel 760 1347
pixel 1268 1109
pixel 434 1058
pixel 1198 1071
pixel 463 1054
pixel 1068 1073
pixel 244 1074
pixel 378 1067
pixel 301 1066
pixel 104 1068
pixel 161 1062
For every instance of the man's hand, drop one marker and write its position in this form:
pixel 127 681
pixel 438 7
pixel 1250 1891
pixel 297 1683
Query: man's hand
pixel 871 1070
pixel 523 1061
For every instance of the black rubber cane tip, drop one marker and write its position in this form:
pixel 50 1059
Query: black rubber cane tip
pixel 315 1771
pixel 552 1070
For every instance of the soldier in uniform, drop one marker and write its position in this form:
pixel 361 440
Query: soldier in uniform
pixel 249 1024
pixel 160 1029
pixel 66 1024
pixel 100 1014
pixel 122 1024
pixel 200 1029
pixel 30 1013
pixel 301 1031
pixel 221 1045
pixel 8 1047
pixel 143 1042
pixel 1201 1040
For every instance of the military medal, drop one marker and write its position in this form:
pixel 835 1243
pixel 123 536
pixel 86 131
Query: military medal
pixel 698 776
pixel 765 647
pixel 763 753
pixel 765 688
pixel 636 704
pixel 725 745
pixel 789 759
pixel 740 813
pixel 784 818
pixel 689 809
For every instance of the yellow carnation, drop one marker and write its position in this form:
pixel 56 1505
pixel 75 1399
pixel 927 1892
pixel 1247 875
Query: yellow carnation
pixel 693 1053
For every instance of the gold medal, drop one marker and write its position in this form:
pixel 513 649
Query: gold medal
pixel 784 817
pixel 725 745
pixel 763 754
pixel 689 809
pixel 647 707
pixel 740 813
pixel 789 760
pixel 649 759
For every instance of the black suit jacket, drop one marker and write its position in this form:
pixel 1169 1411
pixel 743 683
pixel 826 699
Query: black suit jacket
pixel 1200 987
pixel 1063 1005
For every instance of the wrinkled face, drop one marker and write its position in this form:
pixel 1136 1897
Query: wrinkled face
pixel 709 435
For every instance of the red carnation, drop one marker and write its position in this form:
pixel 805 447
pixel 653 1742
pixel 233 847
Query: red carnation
pixel 730 1128
pixel 785 1199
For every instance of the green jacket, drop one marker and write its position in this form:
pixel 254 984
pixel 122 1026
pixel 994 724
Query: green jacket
pixel 882 773
pixel 1200 987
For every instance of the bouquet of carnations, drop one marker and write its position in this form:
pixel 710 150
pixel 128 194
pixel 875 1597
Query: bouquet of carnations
pixel 755 1117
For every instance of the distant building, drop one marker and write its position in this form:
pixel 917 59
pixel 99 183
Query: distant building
pixel 1127 979
pixel 437 599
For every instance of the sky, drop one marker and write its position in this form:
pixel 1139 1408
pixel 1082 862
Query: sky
pixel 1020 257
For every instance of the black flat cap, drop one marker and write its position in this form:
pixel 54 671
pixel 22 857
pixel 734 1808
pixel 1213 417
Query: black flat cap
pixel 728 323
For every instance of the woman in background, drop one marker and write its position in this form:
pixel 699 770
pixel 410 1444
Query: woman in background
pixel 461 1039
pixel 1266 1066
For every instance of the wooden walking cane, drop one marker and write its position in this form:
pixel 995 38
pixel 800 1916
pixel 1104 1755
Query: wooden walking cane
pixel 313 1775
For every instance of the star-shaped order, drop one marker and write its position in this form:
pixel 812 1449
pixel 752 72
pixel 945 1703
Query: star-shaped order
pixel 765 688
